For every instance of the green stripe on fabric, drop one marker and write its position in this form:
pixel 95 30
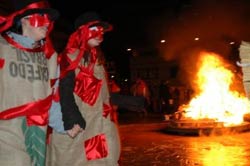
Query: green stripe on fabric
pixel 35 143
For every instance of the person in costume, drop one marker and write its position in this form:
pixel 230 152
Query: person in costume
pixel 84 94
pixel 28 65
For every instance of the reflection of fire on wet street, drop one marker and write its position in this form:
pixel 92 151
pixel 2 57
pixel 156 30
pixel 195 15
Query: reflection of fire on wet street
pixel 216 107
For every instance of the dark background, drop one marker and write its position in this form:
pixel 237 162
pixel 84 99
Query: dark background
pixel 141 25
pixel 136 24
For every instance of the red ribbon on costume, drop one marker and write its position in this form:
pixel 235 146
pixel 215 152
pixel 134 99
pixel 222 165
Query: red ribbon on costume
pixel 7 21
pixel 96 147
pixel 35 112
pixel 107 109
pixel 77 41
pixel 47 47
pixel 87 87
pixel 67 65
pixel 1 63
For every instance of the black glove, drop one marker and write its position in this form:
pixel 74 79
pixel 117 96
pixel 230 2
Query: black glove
pixel 70 111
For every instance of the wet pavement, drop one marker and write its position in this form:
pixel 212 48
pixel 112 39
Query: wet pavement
pixel 145 143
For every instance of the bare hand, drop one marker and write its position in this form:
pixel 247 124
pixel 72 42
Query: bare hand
pixel 74 131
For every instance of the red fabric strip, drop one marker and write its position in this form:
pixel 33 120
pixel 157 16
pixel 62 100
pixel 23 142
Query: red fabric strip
pixel 107 109
pixel 87 87
pixel 35 112
pixel 6 22
pixel 96 147
pixel 1 63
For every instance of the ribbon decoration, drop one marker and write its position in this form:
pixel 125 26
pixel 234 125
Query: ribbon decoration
pixel 96 147
pixel 77 41
pixel 36 112
pixel 87 87
pixel 7 21
pixel 108 110
pixel 1 63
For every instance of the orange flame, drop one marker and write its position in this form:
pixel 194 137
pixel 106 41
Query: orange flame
pixel 215 100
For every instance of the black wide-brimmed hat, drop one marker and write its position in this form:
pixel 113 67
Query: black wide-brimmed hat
pixel 89 17
pixel 34 6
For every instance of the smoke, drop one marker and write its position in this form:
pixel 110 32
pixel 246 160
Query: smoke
pixel 215 22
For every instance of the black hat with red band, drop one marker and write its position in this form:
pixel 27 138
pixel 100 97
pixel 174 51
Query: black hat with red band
pixel 92 19
pixel 28 7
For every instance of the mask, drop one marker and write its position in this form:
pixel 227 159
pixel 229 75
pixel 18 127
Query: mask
pixel 96 32
pixel 39 20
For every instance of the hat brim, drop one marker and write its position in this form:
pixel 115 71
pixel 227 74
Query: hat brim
pixel 53 13
pixel 106 26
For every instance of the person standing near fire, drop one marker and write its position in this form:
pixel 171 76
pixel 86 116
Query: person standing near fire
pixel 84 97
pixel 141 89
pixel 28 65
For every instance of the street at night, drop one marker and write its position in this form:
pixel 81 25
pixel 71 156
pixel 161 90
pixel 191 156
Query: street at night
pixel 144 144
pixel 175 72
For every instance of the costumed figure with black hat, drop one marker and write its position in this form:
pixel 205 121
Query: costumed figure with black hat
pixel 84 94
pixel 28 67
